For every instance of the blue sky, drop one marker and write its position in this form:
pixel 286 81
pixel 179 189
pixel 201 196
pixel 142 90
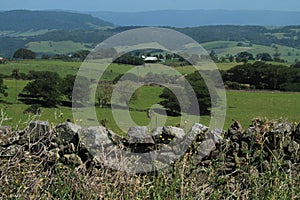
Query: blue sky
pixel 144 5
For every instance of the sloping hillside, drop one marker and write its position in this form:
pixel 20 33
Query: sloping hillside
pixel 24 20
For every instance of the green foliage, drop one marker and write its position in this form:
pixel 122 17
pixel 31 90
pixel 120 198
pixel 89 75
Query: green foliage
pixel 46 86
pixel 199 88
pixel 213 56
pixel 296 65
pixel 264 76
pixel 67 86
pixel 3 88
pixel 87 37
pixel 34 109
pixel 170 102
pixel 264 57
pixel 129 59
pixel 203 96
pixel 81 55
pixel 244 57
pixel 80 89
pixel 125 91
pixel 105 93
pixel 24 54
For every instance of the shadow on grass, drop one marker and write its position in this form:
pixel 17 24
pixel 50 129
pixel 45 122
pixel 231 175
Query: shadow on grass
pixel 5 102
pixel 160 111
pixel 31 101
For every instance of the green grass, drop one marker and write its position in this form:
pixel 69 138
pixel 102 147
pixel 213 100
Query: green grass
pixel 223 48
pixel 24 66
pixel 63 68
pixel 241 105
pixel 62 47
pixel 23 34
pixel 244 106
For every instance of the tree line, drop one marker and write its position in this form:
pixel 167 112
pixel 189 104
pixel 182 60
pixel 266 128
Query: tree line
pixel 261 75
pixel 50 89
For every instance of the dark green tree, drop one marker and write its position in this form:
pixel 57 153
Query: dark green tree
pixel 81 55
pixel 24 54
pixel 244 57
pixel 16 75
pixel 124 92
pixel 214 56
pixel 169 56
pixel 81 92
pixel 105 92
pixel 3 88
pixel 264 57
pixel 261 75
pixel 276 55
pixel 203 97
pixel 296 65
pixel 171 103
pixel 46 87
pixel 129 59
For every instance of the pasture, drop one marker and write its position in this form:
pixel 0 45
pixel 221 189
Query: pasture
pixel 223 48
pixel 241 105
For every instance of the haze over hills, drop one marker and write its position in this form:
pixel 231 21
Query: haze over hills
pixel 64 32
pixel 25 20
pixel 192 18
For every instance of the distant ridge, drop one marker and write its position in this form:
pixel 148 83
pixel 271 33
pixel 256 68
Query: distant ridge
pixel 24 20
pixel 192 18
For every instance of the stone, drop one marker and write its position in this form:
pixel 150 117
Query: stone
pixel 139 140
pixel 94 135
pixel 217 134
pixel 198 129
pixel 95 141
pixel 173 132
pixel 139 135
pixel 159 137
pixel 167 157
pixel 197 132
pixel 67 133
pixel 115 138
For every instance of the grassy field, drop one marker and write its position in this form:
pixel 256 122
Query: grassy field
pixel 241 105
pixel 229 47
pixel 63 68
pixel 244 106
pixel 51 47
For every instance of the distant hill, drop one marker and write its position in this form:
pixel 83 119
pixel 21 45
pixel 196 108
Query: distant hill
pixel 25 20
pixel 192 18
pixel 60 32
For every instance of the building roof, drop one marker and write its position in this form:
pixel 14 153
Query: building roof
pixel 151 59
